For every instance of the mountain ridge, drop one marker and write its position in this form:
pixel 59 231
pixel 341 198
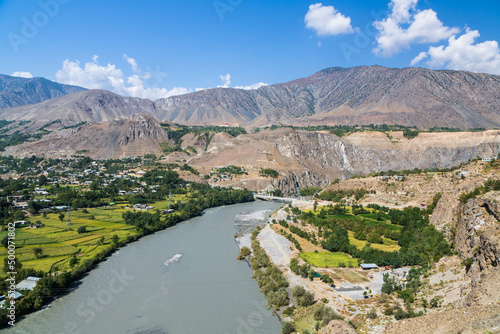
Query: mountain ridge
pixel 16 91
pixel 410 96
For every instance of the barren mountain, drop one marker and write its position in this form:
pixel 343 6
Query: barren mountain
pixel 89 106
pixel 360 95
pixel 134 135
pixel 16 91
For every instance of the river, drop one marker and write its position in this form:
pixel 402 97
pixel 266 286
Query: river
pixel 185 279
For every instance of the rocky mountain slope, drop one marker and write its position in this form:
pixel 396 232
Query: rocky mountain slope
pixel 134 135
pixel 15 91
pixel 307 159
pixel 360 95
pixel 87 106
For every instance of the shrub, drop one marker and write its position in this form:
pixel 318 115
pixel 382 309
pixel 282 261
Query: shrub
pixel 287 328
pixel 372 314
pixel 82 229
pixel 244 252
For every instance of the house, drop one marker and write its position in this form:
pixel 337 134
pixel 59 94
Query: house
pixel 28 283
pixel 368 266
pixel 20 223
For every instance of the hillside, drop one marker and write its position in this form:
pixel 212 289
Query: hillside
pixel 134 135
pixel 15 91
pixel 360 95
pixel 86 106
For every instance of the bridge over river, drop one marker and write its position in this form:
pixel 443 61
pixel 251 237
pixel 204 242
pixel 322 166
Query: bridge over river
pixel 274 198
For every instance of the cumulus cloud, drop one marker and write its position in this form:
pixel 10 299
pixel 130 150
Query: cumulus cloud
pixel 22 74
pixel 94 76
pixel 463 53
pixel 406 25
pixel 252 87
pixel 327 21
pixel 419 58
pixel 226 80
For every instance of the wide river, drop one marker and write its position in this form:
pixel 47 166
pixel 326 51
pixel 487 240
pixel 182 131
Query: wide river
pixel 138 290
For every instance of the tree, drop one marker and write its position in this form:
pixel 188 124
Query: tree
pixel 82 229
pixel 12 265
pixel 315 205
pixel 244 252
pixel 115 239
pixel 61 216
pixel 101 240
pixel 38 252
pixel 5 241
pixel 287 328
pixel 379 216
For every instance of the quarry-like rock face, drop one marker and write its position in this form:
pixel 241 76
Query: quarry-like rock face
pixel 134 135
pixel 315 159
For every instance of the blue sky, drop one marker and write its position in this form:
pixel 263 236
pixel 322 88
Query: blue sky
pixel 159 48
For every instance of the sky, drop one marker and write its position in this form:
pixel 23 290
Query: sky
pixel 159 48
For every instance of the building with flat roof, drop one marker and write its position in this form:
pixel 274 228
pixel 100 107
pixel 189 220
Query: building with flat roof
pixel 28 283
pixel 368 266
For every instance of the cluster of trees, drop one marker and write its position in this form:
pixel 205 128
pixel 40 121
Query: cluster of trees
pixel 490 185
pixel 420 242
pixel 268 172
pixel 268 276
pixel 341 194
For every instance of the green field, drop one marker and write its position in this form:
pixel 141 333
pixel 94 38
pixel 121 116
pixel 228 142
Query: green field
pixel 329 260
pixel 388 246
pixel 60 240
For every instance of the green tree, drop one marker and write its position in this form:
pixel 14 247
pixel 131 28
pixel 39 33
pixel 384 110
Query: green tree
pixel 61 216
pixel 82 229
pixel 38 252
pixel 315 205
pixel 287 328
pixel 115 239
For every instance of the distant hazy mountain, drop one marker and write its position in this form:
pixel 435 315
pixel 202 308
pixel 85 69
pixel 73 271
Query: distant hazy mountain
pixel 360 95
pixel 16 91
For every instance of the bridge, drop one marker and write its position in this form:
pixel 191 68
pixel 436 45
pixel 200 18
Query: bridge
pixel 274 198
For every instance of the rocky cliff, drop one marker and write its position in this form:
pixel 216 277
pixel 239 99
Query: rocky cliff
pixel 315 159
pixel 477 238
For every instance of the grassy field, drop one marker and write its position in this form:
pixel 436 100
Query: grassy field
pixel 329 260
pixel 388 246
pixel 60 240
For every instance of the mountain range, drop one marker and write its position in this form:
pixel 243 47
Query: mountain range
pixel 360 95
pixel 15 91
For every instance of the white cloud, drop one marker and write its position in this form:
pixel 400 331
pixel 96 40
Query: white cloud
pixel 22 74
pixel 406 25
pixel 109 77
pixel 418 58
pixel 327 21
pixel 226 80
pixel 252 87
pixel 463 53
pixel 132 62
